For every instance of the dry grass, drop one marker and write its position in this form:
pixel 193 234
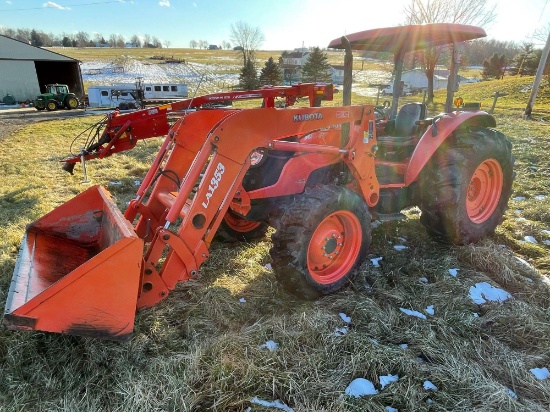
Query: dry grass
pixel 200 349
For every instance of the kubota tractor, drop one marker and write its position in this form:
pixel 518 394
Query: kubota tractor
pixel 317 175
pixel 57 96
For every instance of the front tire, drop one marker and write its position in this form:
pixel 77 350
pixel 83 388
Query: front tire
pixel 236 229
pixel 466 186
pixel 71 102
pixel 321 240
pixel 51 106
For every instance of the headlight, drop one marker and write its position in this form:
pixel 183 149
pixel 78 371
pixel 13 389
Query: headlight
pixel 257 157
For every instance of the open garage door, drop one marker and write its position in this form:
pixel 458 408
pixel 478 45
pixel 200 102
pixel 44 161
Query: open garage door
pixel 60 72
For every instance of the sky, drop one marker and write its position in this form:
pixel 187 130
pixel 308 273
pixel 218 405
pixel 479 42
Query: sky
pixel 286 24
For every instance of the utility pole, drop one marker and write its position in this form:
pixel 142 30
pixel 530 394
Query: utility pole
pixel 538 79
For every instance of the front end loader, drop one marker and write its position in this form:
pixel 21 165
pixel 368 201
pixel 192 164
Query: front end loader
pixel 317 175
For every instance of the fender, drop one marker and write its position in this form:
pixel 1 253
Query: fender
pixel 445 126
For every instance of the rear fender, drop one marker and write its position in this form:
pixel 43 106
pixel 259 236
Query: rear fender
pixel 445 126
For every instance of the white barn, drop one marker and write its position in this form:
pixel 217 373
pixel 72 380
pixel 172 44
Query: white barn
pixel 25 69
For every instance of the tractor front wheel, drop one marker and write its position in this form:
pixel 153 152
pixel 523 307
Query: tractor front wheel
pixel 51 106
pixel 236 229
pixel 71 102
pixel 466 186
pixel 321 240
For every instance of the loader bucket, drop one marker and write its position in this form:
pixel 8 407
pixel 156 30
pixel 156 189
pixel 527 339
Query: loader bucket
pixel 78 271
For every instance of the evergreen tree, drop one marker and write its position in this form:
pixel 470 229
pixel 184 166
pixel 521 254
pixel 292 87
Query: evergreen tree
pixel 248 79
pixel 494 67
pixel 36 39
pixel 316 69
pixel 66 42
pixel 270 74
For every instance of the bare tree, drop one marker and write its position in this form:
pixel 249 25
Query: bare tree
pixel 135 40
pixel 226 45
pixel 247 38
pixel 474 12
pixel 193 44
pixel 82 38
pixel 146 40
pixel 167 44
pixel 203 44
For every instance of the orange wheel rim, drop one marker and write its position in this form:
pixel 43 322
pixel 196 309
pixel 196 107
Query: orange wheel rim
pixel 238 224
pixel 484 191
pixel 334 247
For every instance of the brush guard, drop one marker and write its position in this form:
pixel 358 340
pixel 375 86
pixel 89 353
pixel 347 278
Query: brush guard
pixel 78 271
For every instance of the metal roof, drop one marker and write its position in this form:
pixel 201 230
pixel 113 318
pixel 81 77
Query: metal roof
pixel 11 49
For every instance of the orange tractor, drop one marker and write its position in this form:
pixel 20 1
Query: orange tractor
pixel 317 175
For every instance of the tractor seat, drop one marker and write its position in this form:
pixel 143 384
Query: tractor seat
pixel 404 127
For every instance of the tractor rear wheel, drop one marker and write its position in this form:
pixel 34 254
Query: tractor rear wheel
pixel 321 240
pixel 236 229
pixel 71 102
pixel 466 186
pixel 51 105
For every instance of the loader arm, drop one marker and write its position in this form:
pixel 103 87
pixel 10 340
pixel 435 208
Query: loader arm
pixel 218 167
pixel 121 131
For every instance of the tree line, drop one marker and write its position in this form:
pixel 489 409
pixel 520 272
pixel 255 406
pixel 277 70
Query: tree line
pixel 81 39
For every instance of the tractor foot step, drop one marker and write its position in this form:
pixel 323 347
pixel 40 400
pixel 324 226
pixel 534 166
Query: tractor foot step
pixel 389 217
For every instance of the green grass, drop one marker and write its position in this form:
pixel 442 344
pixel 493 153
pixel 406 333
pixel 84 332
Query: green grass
pixel 200 349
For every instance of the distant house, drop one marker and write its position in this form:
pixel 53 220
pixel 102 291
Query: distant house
pixel 417 79
pixel 291 66
pixel 130 45
pixel 213 47
pixel 337 74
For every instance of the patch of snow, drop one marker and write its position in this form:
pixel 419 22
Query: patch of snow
pixel 453 272
pixel 374 341
pixel 546 232
pixel 402 239
pixel 429 386
pixel 270 345
pixel 403 346
pixel 268 266
pixel 361 387
pixel 242 300
pixel 117 183
pixel 540 197
pixel 413 313
pixel 423 279
pixel 530 239
pixel 540 373
pixel 483 292
pixel 522 261
pixel 345 317
pixel 519 198
pixel 277 404
pixel 546 242
pixel 521 219
pixel 390 409
pixel 430 310
pixel 387 379
pixel 340 331
pixel 529 280
pixel 511 393
pixel 137 182
pixel 476 315
pixel 400 247
pixel 375 261
pixel 429 401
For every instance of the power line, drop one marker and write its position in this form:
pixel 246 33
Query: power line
pixel 65 7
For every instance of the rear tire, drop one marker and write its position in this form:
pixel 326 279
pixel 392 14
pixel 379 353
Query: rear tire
pixel 236 229
pixel 321 240
pixel 466 186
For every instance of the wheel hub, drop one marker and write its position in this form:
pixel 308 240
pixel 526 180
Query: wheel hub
pixel 484 191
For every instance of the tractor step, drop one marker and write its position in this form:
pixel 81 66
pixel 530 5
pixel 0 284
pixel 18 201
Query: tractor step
pixel 390 217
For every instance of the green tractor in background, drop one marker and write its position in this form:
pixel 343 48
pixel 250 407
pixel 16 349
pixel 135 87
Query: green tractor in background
pixel 57 96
